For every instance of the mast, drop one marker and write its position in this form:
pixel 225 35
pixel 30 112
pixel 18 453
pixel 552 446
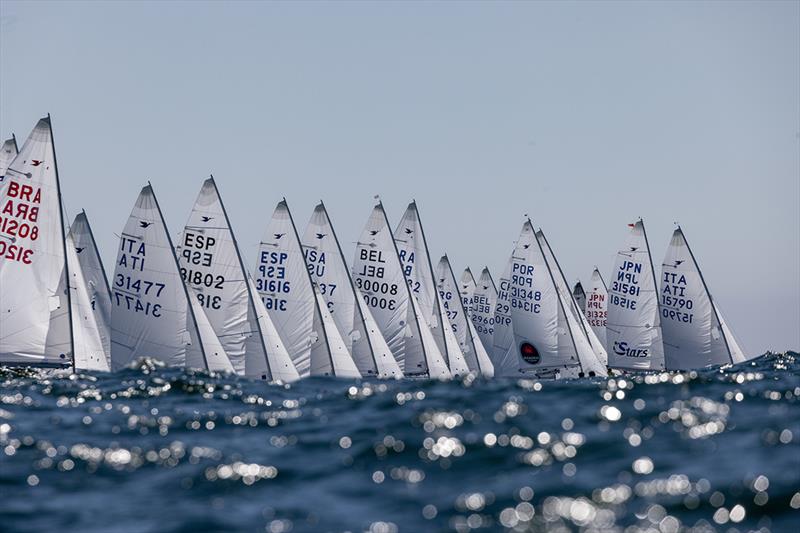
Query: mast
pixel 436 302
pixel 313 291
pixel 352 287
pixel 244 271
pixel 96 251
pixel 63 243
pixel 467 319
pixel 560 303
pixel 708 293
pixel 658 296
pixel 14 138
pixel 408 291
pixel 183 283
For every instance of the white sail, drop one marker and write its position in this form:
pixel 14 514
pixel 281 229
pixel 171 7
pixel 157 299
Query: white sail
pixel 737 353
pixel 206 350
pixel 579 294
pixel 94 275
pixel 484 302
pixel 150 314
pixel 331 343
pixel 89 351
pixel 413 250
pixel 596 306
pixel 437 367
pixel 329 270
pixel 633 329
pixel 694 337
pixel 589 363
pixel 35 319
pixel 452 299
pixel 7 154
pixel 266 356
pixel 544 327
pixel 378 275
pixel 286 288
pixel 503 335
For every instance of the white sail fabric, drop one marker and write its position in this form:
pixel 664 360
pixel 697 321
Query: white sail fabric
pixel 482 314
pixel 94 275
pixel 7 154
pixel 32 258
pixel 543 326
pixel 413 250
pixel 503 336
pixel 329 270
pixel 150 314
pixel 284 283
pixel 579 294
pixel 453 303
pixel 589 364
pixel 89 351
pixel 378 275
pixel 596 306
pixel 633 329
pixel 737 353
pixel 330 344
pixel 212 270
pixel 693 334
pixel 466 289
pixel 206 350
pixel 266 356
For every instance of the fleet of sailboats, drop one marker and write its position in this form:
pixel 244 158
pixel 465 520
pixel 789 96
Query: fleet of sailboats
pixel 304 312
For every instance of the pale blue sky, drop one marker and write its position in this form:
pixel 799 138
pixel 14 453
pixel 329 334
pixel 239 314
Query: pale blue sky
pixel 583 115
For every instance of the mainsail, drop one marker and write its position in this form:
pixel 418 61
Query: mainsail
pixel 503 334
pixel 418 269
pixel 452 299
pixel 579 294
pixel 95 278
pixel 294 303
pixel 7 154
pixel 466 289
pixel 482 314
pixel 596 364
pixel 329 270
pixel 36 321
pixel 212 266
pixel 152 313
pixel 695 335
pixel 379 277
pixel 596 306
pixel 633 329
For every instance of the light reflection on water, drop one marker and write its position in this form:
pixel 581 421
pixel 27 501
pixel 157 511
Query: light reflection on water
pixel 699 451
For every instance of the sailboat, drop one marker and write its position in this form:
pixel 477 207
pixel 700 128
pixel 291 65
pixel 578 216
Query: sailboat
pixel 633 328
pixel 548 340
pixel 353 318
pixel 296 305
pixel 596 306
pixel 36 326
pixel 579 294
pixel 453 297
pixel 599 362
pixel 414 255
pixel 379 275
pixel 212 266
pixel 695 333
pixel 153 314
pixel 7 154
pixel 484 302
pixel 95 279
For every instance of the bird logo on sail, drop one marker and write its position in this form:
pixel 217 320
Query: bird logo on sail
pixel 36 162
pixel 321 235
pixel 678 262
pixel 373 232
pixel 207 219
pixel 408 231
pixel 144 224
pixel 78 249
pixel 278 235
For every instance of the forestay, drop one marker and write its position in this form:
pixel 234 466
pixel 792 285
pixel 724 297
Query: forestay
pixel 151 314
pixel 633 330
pixel 694 334
pixel 35 328
pixel 379 277
pixel 285 286
pixel 329 270
pixel 94 275
pixel 596 306
pixel 413 250
pixel 453 299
